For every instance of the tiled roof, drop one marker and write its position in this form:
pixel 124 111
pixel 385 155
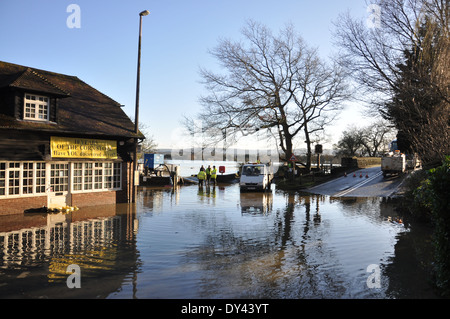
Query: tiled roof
pixel 81 108
pixel 31 80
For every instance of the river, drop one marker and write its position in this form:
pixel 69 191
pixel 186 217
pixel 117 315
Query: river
pixel 215 242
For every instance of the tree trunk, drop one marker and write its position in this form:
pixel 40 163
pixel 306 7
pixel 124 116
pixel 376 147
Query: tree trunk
pixel 288 143
pixel 308 150
pixel 308 146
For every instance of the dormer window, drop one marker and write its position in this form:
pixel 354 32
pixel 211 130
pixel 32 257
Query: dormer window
pixel 36 107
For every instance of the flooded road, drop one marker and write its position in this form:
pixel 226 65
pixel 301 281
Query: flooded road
pixel 367 182
pixel 215 242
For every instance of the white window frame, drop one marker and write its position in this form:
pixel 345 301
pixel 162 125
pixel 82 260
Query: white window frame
pixel 117 175
pixel 3 179
pixel 96 177
pixel 14 167
pixel 35 104
pixel 40 177
pixel 15 182
pixel 77 176
pixel 59 176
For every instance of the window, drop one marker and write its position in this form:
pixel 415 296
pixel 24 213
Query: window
pixel 38 178
pixel 59 177
pixel 112 175
pixel 108 175
pixel 96 176
pixel 36 107
pixel 117 177
pixel 2 179
pixel 253 170
pixel 14 178
pixel 22 178
pixel 77 176
pixel 27 179
pixel 87 176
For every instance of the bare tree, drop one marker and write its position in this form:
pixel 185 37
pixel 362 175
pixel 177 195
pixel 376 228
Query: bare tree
pixel 350 143
pixel 318 98
pixel 148 145
pixel 402 68
pixel 274 83
pixel 376 137
pixel 371 140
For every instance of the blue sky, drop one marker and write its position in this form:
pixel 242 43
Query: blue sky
pixel 176 38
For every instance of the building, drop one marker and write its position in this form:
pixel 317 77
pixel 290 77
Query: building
pixel 62 142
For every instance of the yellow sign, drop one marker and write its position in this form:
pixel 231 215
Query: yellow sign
pixel 67 147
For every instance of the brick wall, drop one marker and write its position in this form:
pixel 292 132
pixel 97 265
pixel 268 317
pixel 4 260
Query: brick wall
pixel 17 205
pixel 93 198
pixel 11 206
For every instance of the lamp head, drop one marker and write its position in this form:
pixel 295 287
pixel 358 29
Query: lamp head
pixel 144 13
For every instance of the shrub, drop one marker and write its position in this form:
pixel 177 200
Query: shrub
pixel 433 195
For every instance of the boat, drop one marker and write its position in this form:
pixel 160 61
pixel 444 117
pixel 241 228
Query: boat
pixel 226 178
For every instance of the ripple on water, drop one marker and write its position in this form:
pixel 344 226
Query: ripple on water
pixel 217 243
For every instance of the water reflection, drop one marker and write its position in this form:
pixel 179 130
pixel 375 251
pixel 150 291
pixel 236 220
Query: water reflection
pixel 285 254
pixel 35 259
pixel 256 203
pixel 207 193
pixel 215 242
pixel 273 245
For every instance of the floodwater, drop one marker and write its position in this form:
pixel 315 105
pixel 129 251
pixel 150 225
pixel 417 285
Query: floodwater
pixel 214 242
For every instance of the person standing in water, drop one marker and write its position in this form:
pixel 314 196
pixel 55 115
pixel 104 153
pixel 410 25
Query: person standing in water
pixel 201 176
pixel 214 175
pixel 208 174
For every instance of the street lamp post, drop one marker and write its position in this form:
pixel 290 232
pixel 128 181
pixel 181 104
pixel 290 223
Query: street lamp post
pixel 143 13
pixel 136 117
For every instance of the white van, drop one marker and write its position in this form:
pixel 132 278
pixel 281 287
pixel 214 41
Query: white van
pixel 255 177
